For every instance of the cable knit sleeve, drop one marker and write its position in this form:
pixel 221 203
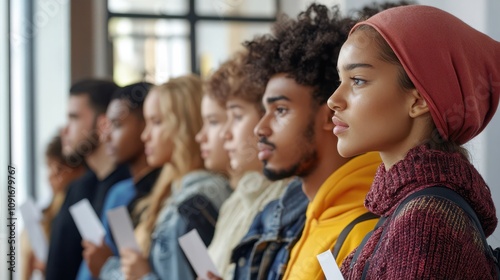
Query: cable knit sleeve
pixel 431 238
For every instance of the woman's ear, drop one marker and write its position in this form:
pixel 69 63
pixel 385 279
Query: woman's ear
pixel 418 106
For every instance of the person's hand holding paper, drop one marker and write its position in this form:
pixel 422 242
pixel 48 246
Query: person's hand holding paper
pixel 95 256
pixel 87 222
pixel 134 265
pixel 197 254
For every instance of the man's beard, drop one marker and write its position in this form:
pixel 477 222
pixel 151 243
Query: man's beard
pixel 76 156
pixel 304 166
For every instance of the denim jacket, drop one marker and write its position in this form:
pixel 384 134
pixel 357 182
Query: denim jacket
pixel 194 206
pixel 264 251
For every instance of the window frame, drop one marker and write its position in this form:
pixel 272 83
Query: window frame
pixel 192 18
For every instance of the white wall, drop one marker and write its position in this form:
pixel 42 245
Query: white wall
pixel 20 32
pixel 50 31
pixel 52 80
pixel 4 135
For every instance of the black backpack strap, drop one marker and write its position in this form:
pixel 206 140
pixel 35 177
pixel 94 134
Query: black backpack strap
pixel 345 232
pixel 398 209
pixel 380 222
pixel 450 195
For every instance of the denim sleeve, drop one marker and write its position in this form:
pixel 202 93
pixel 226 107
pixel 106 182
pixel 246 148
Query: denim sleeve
pixel 111 269
pixel 150 276
pixel 166 257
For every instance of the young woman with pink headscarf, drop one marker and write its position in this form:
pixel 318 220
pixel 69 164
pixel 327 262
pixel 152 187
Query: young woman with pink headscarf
pixel 416 84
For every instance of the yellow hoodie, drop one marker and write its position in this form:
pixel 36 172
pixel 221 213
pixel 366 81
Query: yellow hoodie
pixel 339 201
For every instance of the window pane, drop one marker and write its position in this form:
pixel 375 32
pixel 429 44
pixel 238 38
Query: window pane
pixel 151 50
pixel 255 8
pixel 229 36
pixel 166 7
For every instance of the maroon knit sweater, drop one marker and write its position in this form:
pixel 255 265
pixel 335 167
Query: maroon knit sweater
pixel 430 238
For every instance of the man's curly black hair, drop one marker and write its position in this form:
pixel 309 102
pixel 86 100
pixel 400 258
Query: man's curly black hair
pixel 306 48
pixel 371 9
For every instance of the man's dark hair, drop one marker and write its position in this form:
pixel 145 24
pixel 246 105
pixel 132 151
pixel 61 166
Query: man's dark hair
pixel 371 9
pixel 306 48
pixel 134 94
pixel 98 91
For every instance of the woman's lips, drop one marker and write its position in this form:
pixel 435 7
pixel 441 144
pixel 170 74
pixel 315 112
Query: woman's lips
pixel 204 153
pixel 340 126
pixel 230 152
pixel 110 150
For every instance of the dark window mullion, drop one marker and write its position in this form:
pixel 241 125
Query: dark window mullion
pixel 192 18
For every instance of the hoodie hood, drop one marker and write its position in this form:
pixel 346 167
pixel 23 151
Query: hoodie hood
pixel 341 192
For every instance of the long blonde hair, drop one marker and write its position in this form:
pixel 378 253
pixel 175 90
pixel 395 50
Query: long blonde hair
pixel 180 105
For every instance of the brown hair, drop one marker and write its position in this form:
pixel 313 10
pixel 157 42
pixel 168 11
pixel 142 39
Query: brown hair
pixel 54 152
pixel 232 80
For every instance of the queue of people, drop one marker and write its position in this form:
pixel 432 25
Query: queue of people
pixel 315 137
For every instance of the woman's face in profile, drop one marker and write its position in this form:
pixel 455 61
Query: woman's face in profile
pixel 157 142
pixel 371 109
pixel 211 143
pixel 239 140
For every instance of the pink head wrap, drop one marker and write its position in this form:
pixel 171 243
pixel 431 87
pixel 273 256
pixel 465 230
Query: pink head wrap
pixel 455 67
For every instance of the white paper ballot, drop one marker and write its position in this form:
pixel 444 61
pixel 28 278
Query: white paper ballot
pixel 197 254
pixel 87 222
pixel 32 217
pixel 329 266
pixel 122 229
